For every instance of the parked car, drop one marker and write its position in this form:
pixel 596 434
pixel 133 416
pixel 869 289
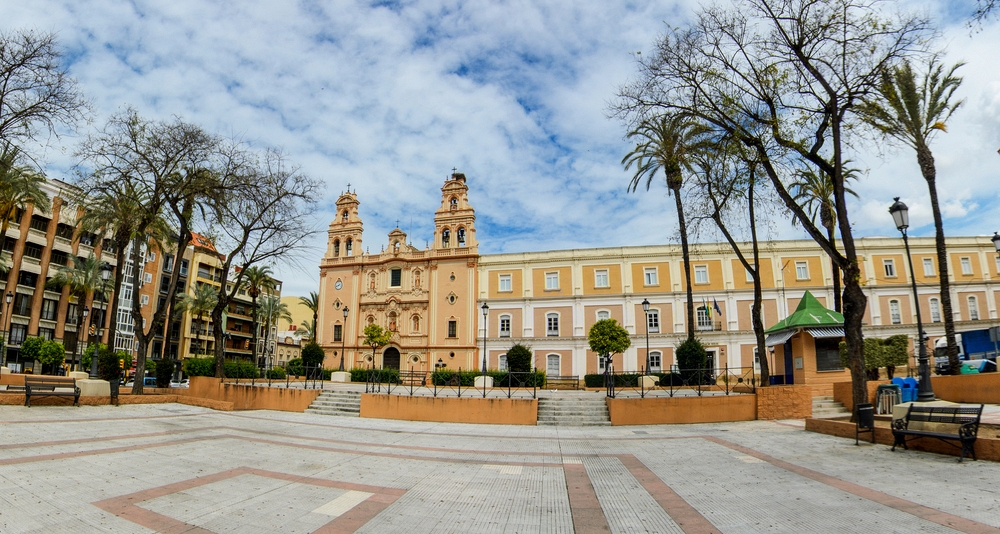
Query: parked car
pixel 182 384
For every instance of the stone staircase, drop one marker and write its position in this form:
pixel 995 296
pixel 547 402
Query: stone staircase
pixel 573 411
pixel 344 403
pixel 826 407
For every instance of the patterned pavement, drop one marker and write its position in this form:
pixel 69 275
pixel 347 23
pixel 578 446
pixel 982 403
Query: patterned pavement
pixel 178 468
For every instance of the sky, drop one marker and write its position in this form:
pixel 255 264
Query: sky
pixel 390 96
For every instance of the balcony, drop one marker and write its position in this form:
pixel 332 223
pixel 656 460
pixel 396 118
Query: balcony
pixel 709 326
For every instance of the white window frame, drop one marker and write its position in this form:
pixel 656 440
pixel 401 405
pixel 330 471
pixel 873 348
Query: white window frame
pixel 552 281
pixel 703 319
pixel 928 266
pixel 935 306
pixel 605 313
pixel 144 300
pixel 504 284
pixel 601 279
pixel 802 270
pixel 147 278
pixel 966 265
pixel 997 260
pixel 655 361
pixel 653 321
pixel 889 267
pixel 749 274
pixel 548 363
pixel 973 307
pixel 602 363
pixel 701 274
pixel 502 362
pixel 549 318
pixel 650 276
pixel 895 313
pixel 500 324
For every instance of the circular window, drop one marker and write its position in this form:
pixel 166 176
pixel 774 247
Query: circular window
pixel 452 354
pixel 452 299
pixel 452 277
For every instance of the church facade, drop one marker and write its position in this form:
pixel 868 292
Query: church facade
pixel 426 298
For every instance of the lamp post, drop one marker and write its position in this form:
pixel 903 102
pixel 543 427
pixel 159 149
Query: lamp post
pixel 80 330
pixel 3 343
pixel 645 310
pixel 925 392
pixel 486 313
pixel 343 339
pixel 105 274
pixel 995 239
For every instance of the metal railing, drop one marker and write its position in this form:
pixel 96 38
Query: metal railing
pixel 312 377
pixel 448 383
pixel 684 382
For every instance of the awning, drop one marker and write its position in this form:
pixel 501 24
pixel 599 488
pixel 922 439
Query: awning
pixel 779 338
pixel 834 331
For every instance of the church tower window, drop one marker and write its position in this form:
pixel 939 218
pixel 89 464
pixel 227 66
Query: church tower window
pixel 336 247
pixel 461 237
pixel 445 238
pixel 347 247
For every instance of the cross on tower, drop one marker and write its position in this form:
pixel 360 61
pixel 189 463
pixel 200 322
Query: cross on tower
pixel 454 170
pixel 348 187
pixel 397 223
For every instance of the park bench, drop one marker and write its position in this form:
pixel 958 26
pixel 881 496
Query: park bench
pixel 50 386
pixel 961 422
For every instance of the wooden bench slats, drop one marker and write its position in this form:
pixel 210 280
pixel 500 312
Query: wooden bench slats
pixel 965 418
pixel 46 386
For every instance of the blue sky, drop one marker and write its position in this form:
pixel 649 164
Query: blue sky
pixel 389 96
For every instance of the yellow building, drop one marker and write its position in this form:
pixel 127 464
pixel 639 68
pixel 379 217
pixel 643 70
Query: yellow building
pixel 299 313
pixel 425 297
pixel 431 298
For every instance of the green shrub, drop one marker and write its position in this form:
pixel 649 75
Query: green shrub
pixel 692 360
pixel 593 381
pixel 519 358
pixel 450 377
pixel 164 372
pixel 241 370
pixel 295 368
pixel 88 355
pixel 199 366
pixel 108 364
pixel 276 373
pixel 312 355
pixel 31 348
pixel 52 353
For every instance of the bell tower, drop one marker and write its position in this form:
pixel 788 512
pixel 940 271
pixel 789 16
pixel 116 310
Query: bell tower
pixel 455 220
pixel 344 234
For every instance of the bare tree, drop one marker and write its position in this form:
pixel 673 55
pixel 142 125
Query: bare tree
pixel 36 94
pixel 260 215
pixel 159 169
pixel 783 77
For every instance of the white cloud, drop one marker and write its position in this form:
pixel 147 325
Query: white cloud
pixel 390 98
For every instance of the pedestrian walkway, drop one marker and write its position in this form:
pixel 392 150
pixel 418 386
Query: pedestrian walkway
pixel 179 468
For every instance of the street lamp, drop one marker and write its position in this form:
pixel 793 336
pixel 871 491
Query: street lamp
pixel 995 240
pixel 645 310
pixel 105 275
pixel 3 343
pixel 343 339
pixel 900 215
pixel 79 330
pixel 486 313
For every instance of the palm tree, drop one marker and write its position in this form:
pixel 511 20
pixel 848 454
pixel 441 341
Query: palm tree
pixel 307 331
pixel 912 111
pixel 669 142
pixel 257 280
pixel 117 211
pixel 204 299
pixel 814 191
pixel 82 278
pixel 19 187
pixel 271 311
pixel 311 302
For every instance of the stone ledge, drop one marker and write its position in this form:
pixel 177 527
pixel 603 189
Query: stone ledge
pixel 987 447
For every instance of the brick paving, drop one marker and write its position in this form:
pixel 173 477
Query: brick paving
pixel 178 468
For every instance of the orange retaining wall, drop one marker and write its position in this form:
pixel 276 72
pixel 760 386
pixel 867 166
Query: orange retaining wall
pixel 248 397
pixel 987 448
pixel 450 409
pixel 17 399
pixel 667 410
pixel 972 389
pixel 785 402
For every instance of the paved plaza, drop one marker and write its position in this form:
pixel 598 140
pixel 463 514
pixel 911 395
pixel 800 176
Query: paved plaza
pixel 178 468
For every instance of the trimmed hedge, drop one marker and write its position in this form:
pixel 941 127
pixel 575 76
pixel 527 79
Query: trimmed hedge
pixel 384 376
pixel 164 372
pixel 199 366
pixel 447 377
pixel 632 380
pixel 241 370
pixel 276 373
pixel 233 369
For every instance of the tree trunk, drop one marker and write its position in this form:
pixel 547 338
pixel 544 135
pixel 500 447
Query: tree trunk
pixel 256 330
pixel 142 338
pixel 926 161
pixel 756 315
pixel 837 297
pixel 687 260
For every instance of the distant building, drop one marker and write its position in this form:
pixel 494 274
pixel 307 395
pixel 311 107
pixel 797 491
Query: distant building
pixel 431 299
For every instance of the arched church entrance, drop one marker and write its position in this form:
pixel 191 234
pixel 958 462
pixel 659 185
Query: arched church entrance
pixel 390 358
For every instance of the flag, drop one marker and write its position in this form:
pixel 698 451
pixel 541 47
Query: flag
pixel 715 304
pixel 708 311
